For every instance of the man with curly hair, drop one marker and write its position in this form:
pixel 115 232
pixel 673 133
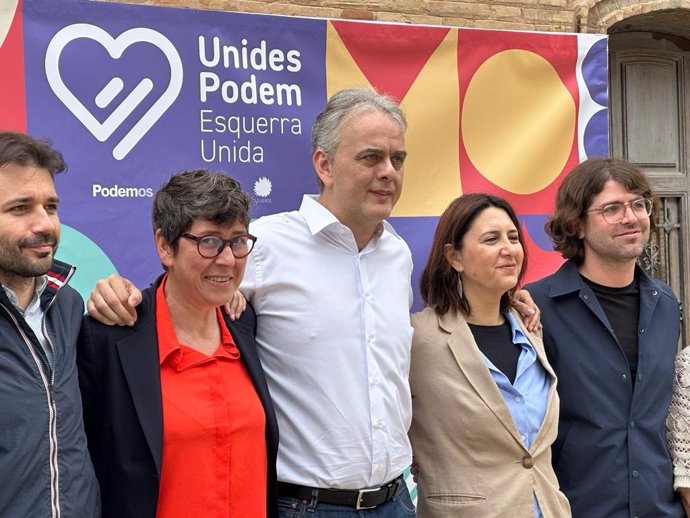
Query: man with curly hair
pixel 611 333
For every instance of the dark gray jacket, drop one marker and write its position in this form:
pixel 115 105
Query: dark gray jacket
pixel 45 469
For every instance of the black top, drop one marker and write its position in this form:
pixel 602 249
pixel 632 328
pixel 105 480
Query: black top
pixel 496 343
pixel 622 308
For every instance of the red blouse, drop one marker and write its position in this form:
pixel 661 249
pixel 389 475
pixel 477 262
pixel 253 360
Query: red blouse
pixel 214 446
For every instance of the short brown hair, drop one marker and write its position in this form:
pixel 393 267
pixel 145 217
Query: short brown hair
pixel 439 281
pixel 575 195
pixel 25 150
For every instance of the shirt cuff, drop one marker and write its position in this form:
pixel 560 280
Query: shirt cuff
pixel 681 481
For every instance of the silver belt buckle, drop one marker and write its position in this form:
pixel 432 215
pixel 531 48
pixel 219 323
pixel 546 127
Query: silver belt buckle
pixel 360 495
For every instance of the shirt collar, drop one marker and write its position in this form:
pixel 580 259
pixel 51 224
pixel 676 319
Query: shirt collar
pixel 39 287
pixel 170 349
pixel 518 336
pixel 567 279
pixel 318 218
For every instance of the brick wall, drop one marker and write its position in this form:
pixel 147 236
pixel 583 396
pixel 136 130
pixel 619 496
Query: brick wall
pixel 537 15
pixel 542 15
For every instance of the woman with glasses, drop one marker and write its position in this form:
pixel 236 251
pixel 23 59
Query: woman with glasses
pixel 484 401
pixel 178 416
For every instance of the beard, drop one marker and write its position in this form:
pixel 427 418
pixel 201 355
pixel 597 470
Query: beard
pixel 15 261
pixel 608 248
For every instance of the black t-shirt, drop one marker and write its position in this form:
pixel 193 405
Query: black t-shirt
pixel 622 308
pixel 496 342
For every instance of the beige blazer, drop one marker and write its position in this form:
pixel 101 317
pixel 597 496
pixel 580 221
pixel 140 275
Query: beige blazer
pixel 472 462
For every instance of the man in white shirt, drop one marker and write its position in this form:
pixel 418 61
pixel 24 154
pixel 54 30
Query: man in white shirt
pixel 330 284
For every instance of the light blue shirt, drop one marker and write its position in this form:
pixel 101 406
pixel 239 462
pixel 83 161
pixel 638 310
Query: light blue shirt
pixel 33 314
pixel 528 397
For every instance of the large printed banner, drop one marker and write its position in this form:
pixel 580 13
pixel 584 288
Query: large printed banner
pixel 132 94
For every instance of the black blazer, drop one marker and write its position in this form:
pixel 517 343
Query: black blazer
pixel 119 377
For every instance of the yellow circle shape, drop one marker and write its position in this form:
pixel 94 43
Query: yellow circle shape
pixel 518 121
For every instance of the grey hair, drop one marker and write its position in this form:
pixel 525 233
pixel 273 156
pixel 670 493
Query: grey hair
pixel 342 106
pixel 27 151
pixel 198 194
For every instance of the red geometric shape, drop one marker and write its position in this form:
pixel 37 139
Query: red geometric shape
pixel 540 263
pixel 12 95
pixel 474 48
pixel 390 56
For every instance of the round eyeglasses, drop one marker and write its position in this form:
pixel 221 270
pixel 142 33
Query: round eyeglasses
pixel 212 246
pixel 615 212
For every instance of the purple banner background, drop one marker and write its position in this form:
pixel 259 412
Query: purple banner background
pixel 120 225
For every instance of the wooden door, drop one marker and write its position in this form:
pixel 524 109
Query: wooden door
pixel 650 100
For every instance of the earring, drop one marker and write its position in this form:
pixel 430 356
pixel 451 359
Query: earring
pixel 460 286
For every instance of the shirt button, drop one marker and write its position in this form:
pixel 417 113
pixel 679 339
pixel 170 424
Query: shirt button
pixel 641 331
pixel 635 473
pixel 518 399
pixel 523 438
pixel 377 467
pixel 624 377
pixel 378 424
pixel 632 424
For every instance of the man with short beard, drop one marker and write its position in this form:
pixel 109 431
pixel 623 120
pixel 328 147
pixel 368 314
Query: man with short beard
pixel 45 468
pixel 611 334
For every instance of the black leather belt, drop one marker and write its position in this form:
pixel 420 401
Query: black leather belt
pixel 358 498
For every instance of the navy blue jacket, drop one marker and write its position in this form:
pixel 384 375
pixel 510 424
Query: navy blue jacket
pixel 45 469
pixel 610 456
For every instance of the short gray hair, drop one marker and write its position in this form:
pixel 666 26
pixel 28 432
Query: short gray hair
pixel 198 194
pixel 343 105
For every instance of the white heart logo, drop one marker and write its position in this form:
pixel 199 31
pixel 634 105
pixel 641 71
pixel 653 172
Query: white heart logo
pixel 7 11
pixel 115 47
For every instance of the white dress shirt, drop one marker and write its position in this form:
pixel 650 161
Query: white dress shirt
pixel 334 338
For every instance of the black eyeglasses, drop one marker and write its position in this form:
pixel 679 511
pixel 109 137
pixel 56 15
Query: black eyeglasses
pixel 615 212
pixel 212 246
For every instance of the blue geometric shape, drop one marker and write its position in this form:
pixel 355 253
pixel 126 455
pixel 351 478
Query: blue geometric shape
pixel 91 262
pixel 596 139
pixel 595 72
pixel 534 224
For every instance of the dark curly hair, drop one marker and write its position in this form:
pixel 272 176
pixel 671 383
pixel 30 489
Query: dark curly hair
pixel 575 195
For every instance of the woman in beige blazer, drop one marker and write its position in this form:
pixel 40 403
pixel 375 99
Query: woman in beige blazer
pixel 485 408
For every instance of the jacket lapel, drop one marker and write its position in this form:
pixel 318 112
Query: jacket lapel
pixel 139 357
pixel 470 361
pixel 245 343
